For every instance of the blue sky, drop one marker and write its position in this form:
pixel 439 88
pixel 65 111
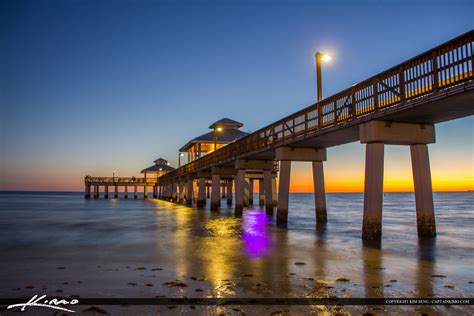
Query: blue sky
pixel 93 86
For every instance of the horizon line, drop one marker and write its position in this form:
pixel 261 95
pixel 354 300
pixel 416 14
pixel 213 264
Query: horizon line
pixel 306 192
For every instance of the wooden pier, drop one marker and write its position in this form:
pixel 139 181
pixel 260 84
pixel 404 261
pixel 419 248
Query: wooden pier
pixel 96 183
pixel 399 106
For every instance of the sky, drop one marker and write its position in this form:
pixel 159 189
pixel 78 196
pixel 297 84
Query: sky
pixel 87 87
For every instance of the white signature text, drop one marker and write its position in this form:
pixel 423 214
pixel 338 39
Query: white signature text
pixel 40 301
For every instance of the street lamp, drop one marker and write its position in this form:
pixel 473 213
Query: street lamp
pixel 216 130
pixel 324 58
pixel 179 159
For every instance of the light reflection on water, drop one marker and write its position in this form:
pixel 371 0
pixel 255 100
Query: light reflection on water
pixel 255 234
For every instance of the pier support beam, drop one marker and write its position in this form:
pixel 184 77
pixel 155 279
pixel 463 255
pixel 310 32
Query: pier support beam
pixel 425 215
pixel 239 192
pixel 250 191
pixel 201 200
pixel 174 195
pixel 116 191
pixel 87 194
pixel 242 165
pixel 223 190
pixel 155 191
pixel 375 134
pixel 229 192
pixel 189 192
pixel 145 192
pixel 215 194
pixel 208 191
pixel 314 155
pixel 373 192
pixel 181 192
pixel 283 192
pixel 126 192
pixel 135 195
pixel 261 192
pixel 106 191
pixel 96 191
pixel 319 192
pixel 274 191
pixel 267 182
pixel 246 192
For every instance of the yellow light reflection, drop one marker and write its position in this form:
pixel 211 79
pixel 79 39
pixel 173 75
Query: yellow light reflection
pixel 219 252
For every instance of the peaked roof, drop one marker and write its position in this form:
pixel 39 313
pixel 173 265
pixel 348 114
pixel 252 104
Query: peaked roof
pixel 226 122
pixel 161 161
pixel 225 137
pixel 157 168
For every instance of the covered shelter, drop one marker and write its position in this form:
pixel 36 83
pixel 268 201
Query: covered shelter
pixel 160 168
pixel 224 131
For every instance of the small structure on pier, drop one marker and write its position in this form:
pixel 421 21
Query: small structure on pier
pixel 160 168
pixel 224 131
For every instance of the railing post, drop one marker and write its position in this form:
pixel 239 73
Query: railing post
pixel 435 71
pixel 320 117
pixel 375 85
pixel 353 103
pixel 305 122
pixel 471 40
pixel 401 78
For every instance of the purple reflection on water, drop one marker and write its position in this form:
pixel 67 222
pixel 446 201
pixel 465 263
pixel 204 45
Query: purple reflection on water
pixel 255 234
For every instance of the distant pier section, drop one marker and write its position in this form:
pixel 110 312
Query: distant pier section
pixel 150 175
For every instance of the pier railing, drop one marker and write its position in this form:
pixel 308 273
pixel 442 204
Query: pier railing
pixel 444 66
pixel 119 180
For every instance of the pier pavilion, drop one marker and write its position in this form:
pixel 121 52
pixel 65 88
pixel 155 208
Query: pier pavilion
pixel 224 131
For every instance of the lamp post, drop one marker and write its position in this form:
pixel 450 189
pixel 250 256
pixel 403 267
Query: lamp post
pixel 113 176
pixel 179 159
pixel 325 58
pixel 216 130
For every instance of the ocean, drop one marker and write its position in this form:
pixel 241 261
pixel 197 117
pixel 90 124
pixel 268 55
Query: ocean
pixel 62 244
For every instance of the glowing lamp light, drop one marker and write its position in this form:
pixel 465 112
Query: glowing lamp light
pixel 326 58
pixel 219 129
pixel 161 169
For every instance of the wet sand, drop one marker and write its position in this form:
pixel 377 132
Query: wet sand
pixel 119 248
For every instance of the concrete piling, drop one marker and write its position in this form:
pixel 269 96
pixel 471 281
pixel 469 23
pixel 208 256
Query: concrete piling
pixel 267 182
pixel 201 200
pixel 261 193
pixel 189 192
pixel 215 193
pixel 87 190
pixel 229 191
pixel 425 215
pixel 373 192
pixel 283 192
pixel 239 192
pixel 251 191
pixel 319 192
